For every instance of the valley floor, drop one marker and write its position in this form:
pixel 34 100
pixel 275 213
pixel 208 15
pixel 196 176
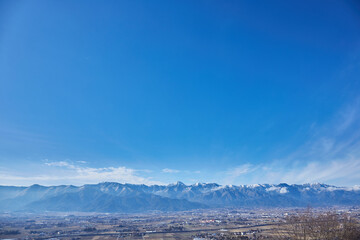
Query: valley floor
pixel 197 224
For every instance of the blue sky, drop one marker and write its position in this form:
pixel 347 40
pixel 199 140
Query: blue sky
pixel 234 92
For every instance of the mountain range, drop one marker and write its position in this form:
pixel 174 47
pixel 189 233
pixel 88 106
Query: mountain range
pixel 117 197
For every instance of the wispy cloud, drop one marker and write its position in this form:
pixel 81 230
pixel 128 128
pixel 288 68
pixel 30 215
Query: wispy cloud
pixel 168 170
pixel 330 155
pixel 336 139
pixel 13 138
pixel 69 173
pixel 240 170
pixel 232 174
pixel 61 164
pixel 340 172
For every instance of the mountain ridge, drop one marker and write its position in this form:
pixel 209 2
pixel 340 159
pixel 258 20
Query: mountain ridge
pixel 125 197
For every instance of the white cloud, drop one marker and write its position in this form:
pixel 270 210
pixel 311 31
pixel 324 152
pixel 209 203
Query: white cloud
pixel 336 139
pixel 60 164
pixel 168 170
pixel 336 171
pixel 233 174
pixel 70 173
pixel 341 172
pixel 240 170
pixel 331 155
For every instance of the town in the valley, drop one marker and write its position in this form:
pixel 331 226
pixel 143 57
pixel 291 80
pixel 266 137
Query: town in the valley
pixel 196 224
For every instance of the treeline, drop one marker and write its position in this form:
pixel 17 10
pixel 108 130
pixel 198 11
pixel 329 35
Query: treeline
pixel 320 226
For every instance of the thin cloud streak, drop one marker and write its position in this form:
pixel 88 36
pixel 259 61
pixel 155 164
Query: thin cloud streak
pixel 74 174
pixel 168 170
pixel 340 172
pixel 331 155
pixel 233 174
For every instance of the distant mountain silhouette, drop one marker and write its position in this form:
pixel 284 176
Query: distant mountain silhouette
pixel 117 197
